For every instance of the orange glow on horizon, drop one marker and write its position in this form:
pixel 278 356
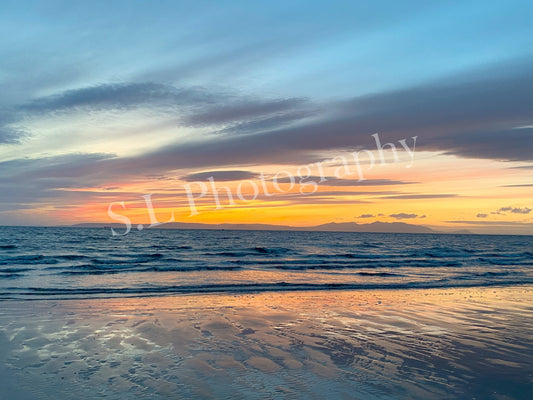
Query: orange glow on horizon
pixel 437 189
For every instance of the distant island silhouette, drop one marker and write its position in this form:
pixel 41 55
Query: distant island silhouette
pixel 374 227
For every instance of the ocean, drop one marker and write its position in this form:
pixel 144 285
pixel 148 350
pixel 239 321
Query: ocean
pixel 67 263
pixel 202 314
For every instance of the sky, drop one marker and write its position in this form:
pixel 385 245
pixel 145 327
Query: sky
pixel 268 112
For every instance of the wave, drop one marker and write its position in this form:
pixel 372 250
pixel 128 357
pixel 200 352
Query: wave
pixel 10 275
pixel 273 250
pixel 365 256
pixel 33 293
pixel 71 257
pixel 377 274
pixel 29 259
pixel 170 247
pixel 92 270
pixel 14 270
pixel 62 258
pixel 231 254
pixel 512 261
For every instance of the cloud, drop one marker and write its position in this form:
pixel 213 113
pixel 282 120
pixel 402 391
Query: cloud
pixel 334 181
pixel 469 115
pixel 242 111
pixel 267 122
pixel 366 216
pixel 500 223
pixel 105 97
pixel 482 215
pixel 227 111
pixel 119 96
pixel 502 144
pixel 65 167
pixel 420 196
pixel 473 115
pixel 524 210
pixel 524 185
pixel 513 210
pixel 404 216
pixel 314 198
pixel 8 133
pixel 280 199
pixel 63 180
pixel 30 181
pixel 235 175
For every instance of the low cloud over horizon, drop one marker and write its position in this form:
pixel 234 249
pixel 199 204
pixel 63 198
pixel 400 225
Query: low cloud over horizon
pixel 406 216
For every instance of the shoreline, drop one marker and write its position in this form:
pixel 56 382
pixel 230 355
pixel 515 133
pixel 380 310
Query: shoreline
pixel 241 289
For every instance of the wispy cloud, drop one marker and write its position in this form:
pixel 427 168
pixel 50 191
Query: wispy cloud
pixel 194 106
pixel 331 181
pixel 406 216
pixel 366 216
pixel 472 130
pixel 8 133
pixel 34 181
pixel 522 185
pixel 106 98
pixel 334 181
pixel 495 223
pixel 420 196
pixel 513 210
pixel 242 111
pixel 524 210
pixel 234 175
pixel 118 96
pixel 493 103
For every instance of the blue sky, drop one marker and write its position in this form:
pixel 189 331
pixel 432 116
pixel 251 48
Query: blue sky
pixel 272 48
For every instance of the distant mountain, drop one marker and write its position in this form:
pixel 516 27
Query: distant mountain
pixel 376 227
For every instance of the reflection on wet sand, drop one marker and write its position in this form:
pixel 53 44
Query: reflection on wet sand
pixel 455 343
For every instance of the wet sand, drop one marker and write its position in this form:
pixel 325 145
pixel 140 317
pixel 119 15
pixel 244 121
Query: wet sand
pixel 402 344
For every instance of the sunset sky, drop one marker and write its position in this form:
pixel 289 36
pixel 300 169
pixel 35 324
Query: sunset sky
pixel 106 102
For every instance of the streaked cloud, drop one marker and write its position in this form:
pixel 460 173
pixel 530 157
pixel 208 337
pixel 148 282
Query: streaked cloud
pixel 405 216
pixel 521 185
pixel 420 196
pixel 334 181
pixel 512 210
pixel 200 90
pixel 495 223
pixel 524 210
pixel 118 96
pixel 242 111
pixel 235 175
pixel 366 216
pixel 502 99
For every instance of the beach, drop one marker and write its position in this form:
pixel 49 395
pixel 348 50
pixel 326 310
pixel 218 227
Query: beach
pixel 364 344
pixel 266 200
